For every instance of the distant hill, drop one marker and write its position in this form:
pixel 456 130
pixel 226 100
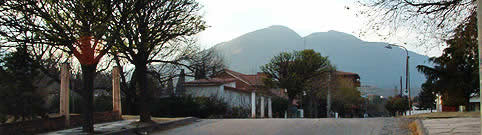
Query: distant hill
pixel 376 65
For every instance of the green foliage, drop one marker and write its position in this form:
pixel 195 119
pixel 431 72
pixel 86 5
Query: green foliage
pixel 19 97
pixel 237 112
pixel 426 98
pixel 346 100
pixel 201 107
pixel 279 106
pixel 396 104
pixel 102 103
pixel 293 71
pixel 456 72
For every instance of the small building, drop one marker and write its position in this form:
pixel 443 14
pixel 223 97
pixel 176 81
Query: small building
pixel 237 89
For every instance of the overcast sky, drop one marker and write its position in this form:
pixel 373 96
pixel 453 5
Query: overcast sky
pixel 229 19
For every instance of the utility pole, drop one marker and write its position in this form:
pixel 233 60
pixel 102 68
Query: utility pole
pixel 401 86
pixel 328 96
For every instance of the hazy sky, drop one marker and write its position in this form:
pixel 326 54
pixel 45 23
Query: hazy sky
pixel 229 19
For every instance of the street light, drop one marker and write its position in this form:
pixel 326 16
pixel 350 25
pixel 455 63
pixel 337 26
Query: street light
pixel 407 77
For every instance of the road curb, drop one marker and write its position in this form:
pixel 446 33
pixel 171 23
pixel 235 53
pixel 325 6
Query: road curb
pixel 160 126
pixel 421 130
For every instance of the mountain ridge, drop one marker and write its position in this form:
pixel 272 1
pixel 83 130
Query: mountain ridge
pixel 377 65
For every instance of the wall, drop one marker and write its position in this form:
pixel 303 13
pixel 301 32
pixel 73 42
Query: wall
pixel 237 99
pixel 232 97
pixel 204 91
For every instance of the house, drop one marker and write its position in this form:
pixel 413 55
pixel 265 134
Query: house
pixel 237 89
pixel 347 79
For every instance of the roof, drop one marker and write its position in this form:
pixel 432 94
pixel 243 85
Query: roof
pixel 252 81
pixel 341 73
pixel 256 79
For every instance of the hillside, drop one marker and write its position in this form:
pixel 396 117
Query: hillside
pixel 376 65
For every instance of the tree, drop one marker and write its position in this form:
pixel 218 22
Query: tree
pixel 434 18
pixel 79 28
pixel 455 74
pixel 20 97
pixel 293 71
pixel 153 31
pixel 427 96
pixel 397 105
pixel 205 63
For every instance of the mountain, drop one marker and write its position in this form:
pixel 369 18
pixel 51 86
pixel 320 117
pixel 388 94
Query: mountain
pixel 377 66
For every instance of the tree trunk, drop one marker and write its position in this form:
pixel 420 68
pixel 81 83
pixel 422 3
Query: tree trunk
pixel 143 91
pixel 87 93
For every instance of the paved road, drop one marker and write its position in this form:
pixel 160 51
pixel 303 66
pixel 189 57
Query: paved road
pixel 357 126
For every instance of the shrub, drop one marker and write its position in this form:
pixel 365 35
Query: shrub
pixel 279 106
pixel 102 103
pixel 202 107
pixel 237 112
pixel 212 107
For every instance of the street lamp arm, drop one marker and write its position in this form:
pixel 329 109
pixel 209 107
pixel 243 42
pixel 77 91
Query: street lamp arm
pixel 400 47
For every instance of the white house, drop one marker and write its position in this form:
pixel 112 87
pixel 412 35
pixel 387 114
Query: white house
pixel 237 89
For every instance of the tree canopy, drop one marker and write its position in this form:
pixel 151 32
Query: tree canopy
pixel 80 28
pixel 294 70
pixel 435 19
pixel 456 73
pixel 149 31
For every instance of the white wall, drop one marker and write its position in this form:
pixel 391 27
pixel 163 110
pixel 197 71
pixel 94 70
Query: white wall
pixel 232 97
pixel 204 91
pixel 237 99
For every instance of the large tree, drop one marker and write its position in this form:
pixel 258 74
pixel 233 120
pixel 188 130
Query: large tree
pixel 204 63
pixel 455 74
pixel 79 28
pixel 293 71
pixel 426 97
pixel 435 19
pixel 153 31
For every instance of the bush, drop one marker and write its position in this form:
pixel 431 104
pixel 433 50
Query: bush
pixel 397 105
pixel 237 112
pixel 279 106
pixel 102 103
pixel 201 107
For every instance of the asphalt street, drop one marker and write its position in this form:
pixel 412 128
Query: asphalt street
pixel 324 126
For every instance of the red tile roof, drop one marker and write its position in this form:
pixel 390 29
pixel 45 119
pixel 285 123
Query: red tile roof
pixel 341 73
pixel 255 79
pixel 249 79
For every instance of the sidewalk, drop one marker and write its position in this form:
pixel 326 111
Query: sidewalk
pixel 129 126
pixel 452 126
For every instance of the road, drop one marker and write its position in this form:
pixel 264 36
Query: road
pixel 355 126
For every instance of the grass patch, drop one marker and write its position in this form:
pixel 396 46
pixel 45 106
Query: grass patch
pixel 445 115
